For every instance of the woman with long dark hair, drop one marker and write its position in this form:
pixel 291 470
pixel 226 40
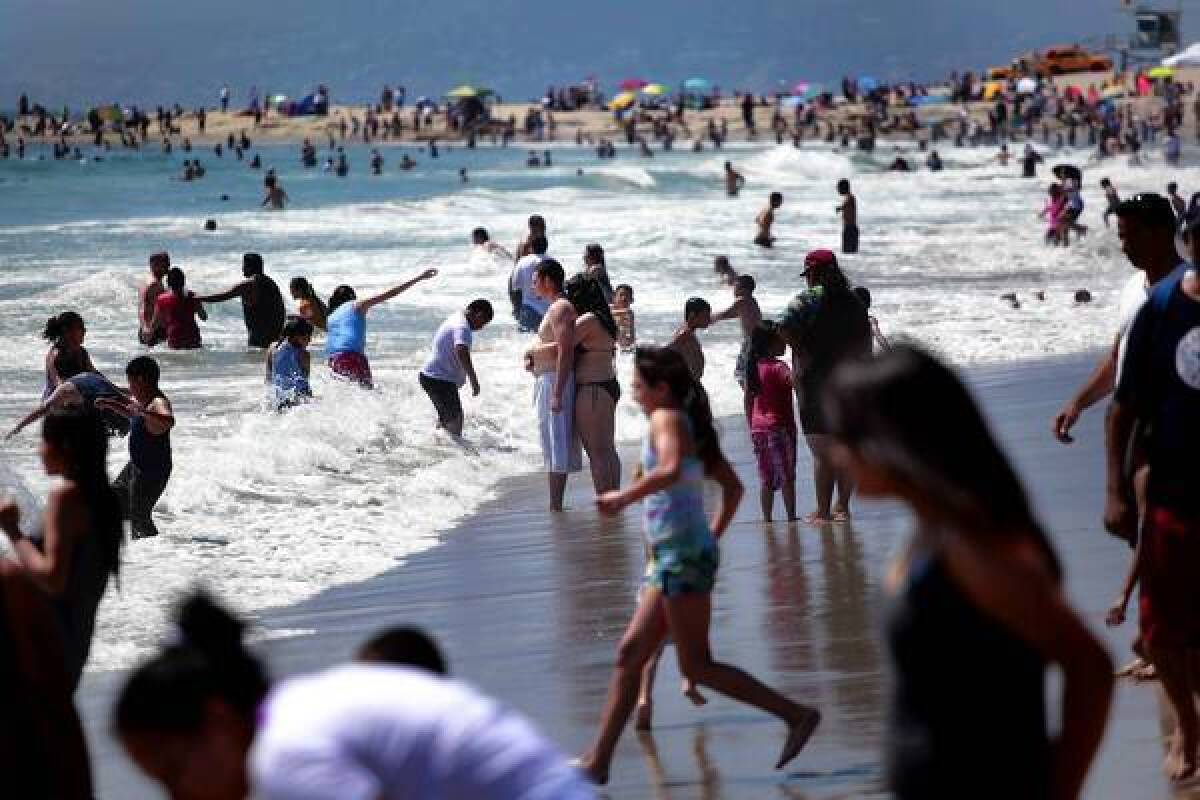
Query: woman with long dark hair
pixel 82 528
pixel 976 606
pixel 680 451
pixel 67 356
pixel 597 390
pixel 202 719
pixel 308 305
pixel 596 267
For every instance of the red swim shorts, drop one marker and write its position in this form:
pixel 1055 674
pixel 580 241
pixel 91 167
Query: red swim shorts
pixel 1169 605
pixel 353 367
pixel 775 451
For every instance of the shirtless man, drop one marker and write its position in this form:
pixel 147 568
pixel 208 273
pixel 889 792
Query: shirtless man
pixel 160 264
pixel 483 243
pixel 537 227
pixel 275 198
pixel 697 315
pixel 849 211
pixel 554 387
pixel 744 309
pixel 765 219
pixel 734 181
pixel 724 270
pixel 262 302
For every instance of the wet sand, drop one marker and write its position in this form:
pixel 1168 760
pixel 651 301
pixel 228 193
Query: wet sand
pixel 530 606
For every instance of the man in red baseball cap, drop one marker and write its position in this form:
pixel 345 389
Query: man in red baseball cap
pixel 824 326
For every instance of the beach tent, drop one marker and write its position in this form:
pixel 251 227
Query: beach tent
pixel 698 85
pixel 655 90
pixel 465 91
pixel 305 107
pixel 622 101
pixel 1186 58
pixel 929 100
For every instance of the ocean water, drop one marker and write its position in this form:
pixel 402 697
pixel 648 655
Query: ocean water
pixel 269 508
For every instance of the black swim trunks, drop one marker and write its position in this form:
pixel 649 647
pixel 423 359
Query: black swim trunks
pixel 850 239
pixel 444 395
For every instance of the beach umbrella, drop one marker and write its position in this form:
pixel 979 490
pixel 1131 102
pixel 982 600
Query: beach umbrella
pixel 867 84
pixel 632 84
pixel 622 101
pixel 697 85
pixel 463 91
pixel 992 88
pixel 1065 171
pixel 655 89
pixel 800 88
pixel 1161 72
pixel 1027 86
pixel 1113 92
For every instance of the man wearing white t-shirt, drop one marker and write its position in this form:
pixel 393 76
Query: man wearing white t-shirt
pixel 1146 228
pixel 528 307
pixel 449 365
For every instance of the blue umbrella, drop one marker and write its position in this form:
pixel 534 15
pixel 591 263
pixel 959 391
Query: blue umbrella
pixel 696 85
pixel 867 84
pixel 791 101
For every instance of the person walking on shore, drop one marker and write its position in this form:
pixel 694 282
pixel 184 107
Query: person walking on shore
pixel 975 599
pixel 1156 409
pixel 1146 229
pixel 160 265
pixel 262 302
pixel 449 365
pixel 825 326
pixel 771 419
pixel 145 477
pixel 346 335
pixel 680 450
pixel 554 383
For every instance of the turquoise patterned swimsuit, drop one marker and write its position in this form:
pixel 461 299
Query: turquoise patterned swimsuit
pixel 683 551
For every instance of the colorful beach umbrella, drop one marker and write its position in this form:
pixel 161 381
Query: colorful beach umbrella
pixel 465 91
pixel 655 89
pixel 1027 86
pixel 1161 72
pixel 1113 92
pixel 697 85
pixel 623 101
pixel 801 88
pixel 632 84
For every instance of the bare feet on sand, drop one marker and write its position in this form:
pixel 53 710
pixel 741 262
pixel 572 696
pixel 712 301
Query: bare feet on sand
pixel 816 518
pixel 1180 764
pixel 1139 670
pixel 588 770
pixel 801 731
pixel 692 693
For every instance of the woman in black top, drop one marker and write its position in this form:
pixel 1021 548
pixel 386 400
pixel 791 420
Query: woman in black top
pixel 976 608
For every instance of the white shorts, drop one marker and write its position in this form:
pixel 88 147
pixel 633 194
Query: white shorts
pixel 561 451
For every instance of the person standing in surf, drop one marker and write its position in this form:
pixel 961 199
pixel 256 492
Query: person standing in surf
pixel 766 219
pixel 680 451
pixel 734 180
pixel 346 334
pixel 262 302
pixel 160 264
pixel 849 211
pixel 449 365
pixel 67 356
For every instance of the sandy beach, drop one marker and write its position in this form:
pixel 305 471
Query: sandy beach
pixel 529 606
pixel 592 124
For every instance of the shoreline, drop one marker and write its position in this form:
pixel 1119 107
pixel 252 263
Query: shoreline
pixel 588 123
pixel 529 607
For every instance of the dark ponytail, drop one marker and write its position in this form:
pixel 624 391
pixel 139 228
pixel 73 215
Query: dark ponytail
pixel 761 339
pixel 57 326
pixel 209 661
pixel 664 365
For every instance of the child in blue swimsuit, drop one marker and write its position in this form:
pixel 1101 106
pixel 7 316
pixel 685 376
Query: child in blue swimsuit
pixel 681 450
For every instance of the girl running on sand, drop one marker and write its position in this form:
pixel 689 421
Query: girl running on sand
pixel 681 449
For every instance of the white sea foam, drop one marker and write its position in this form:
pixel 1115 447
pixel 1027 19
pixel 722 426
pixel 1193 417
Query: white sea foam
pixel 270 508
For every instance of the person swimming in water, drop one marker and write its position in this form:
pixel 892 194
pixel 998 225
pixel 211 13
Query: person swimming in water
pixel 734 180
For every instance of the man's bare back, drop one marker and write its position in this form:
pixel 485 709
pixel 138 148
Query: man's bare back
pixel 687 344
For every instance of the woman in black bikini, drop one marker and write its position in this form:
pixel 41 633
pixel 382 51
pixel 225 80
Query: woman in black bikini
pixel 596 388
